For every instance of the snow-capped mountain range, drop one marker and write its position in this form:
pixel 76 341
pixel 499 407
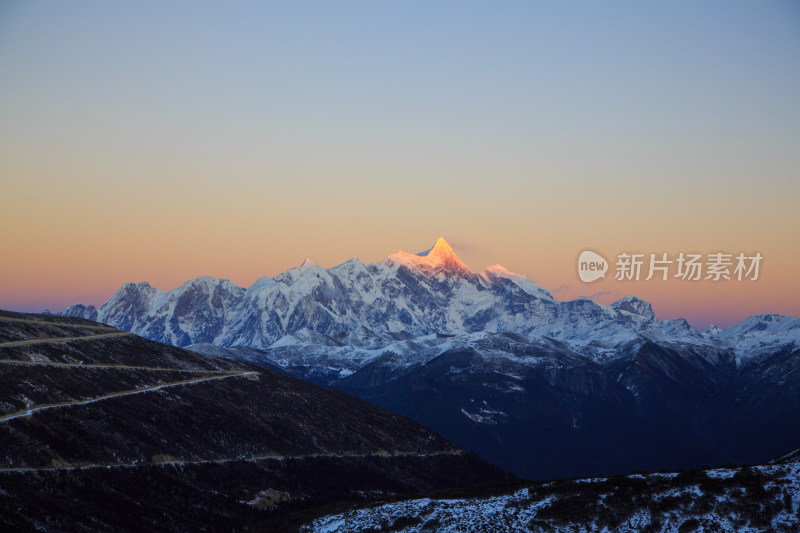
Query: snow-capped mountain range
pixel 403 297
pixel 493 362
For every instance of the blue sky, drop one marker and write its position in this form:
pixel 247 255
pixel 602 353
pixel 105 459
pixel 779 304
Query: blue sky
pixel 236 138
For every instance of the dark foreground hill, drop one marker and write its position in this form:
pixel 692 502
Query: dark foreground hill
pixel 104 430
pixel 764 498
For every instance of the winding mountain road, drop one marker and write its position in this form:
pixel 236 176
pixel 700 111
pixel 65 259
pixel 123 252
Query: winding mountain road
pixel 30 411
pixel 114 367
pixel 57 323
pixel 252 459
pixel 57 340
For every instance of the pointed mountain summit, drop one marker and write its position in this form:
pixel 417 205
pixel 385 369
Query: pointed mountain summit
pixel 636 306
pixel 307 263
pixel 440 257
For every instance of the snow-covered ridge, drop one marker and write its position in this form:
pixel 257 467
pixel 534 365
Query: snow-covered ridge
pixel 406 296
pixel 712 500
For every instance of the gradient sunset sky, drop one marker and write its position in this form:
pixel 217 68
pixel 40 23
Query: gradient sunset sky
pixel 162 141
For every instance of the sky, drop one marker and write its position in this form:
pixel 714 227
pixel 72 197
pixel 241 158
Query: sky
pixel 162 141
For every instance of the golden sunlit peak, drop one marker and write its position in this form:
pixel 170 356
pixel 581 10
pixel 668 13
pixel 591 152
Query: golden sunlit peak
pixel 441 249
pixel 440 257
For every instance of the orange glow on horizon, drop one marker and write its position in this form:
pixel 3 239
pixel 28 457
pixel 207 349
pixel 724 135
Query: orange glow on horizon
pixel 55 285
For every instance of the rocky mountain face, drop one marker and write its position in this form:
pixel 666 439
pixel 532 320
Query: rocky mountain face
pixel 542 411
pixel 490 360
pixel 104 430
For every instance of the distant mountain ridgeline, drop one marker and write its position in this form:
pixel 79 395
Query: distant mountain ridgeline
pixel 490 360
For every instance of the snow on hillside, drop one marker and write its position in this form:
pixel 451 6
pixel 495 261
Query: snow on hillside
pixel 765 498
